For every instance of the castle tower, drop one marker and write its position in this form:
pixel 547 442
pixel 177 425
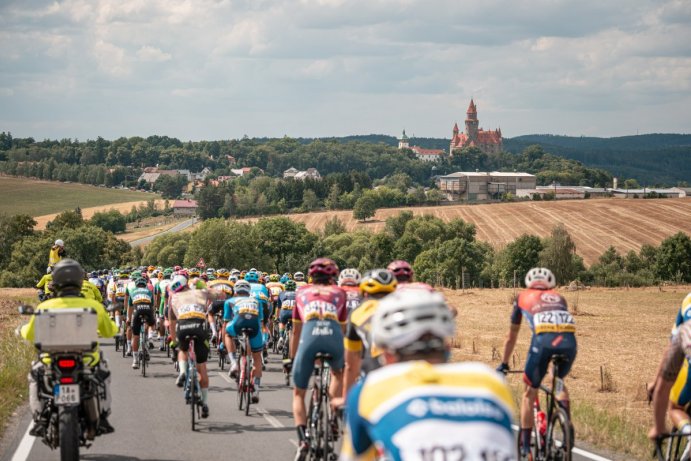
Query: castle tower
pixel 471 122
pixel 403 141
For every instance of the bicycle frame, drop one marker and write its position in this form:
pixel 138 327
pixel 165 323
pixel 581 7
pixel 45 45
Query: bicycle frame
pixel 552 407
pixel 321 436
pixel 674 448
pixel 192 388
pixel 244 381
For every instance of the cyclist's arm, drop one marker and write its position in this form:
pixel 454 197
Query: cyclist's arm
pixel 671 364
pixel 510 343
pixel 295 339
pixel 353 357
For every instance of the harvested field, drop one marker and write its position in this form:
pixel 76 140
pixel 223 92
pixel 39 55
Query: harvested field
pixel 594 224
pixel 123 207
pixel 623 331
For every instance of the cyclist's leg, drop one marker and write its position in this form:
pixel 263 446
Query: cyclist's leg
pixel 201 351
pixel 130 312
pixel 303 366
pixel 230 345
pixel 566 347
pixel 257 346
pixel 535 369
pixel 182 335
pixel 137 319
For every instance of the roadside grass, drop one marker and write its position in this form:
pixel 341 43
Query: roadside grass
pixel 621 335
pixel 36 198
pixel 15 359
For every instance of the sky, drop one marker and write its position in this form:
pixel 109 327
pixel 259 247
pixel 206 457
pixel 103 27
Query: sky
pixel 223 69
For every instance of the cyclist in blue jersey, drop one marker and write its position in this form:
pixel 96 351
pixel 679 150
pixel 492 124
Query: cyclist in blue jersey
pixel 244 311
pixel 419 407
pixel 140 310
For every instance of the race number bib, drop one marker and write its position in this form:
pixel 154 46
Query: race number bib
pixel 141 299
pixel 554 322
pixel 321 310
pixel 187 311
pixel 288 305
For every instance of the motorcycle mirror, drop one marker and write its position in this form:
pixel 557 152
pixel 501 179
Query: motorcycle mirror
pixel 26 310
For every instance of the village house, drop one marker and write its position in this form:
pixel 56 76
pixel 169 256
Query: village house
pixel 186 207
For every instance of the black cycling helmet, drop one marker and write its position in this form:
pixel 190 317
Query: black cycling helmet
pixel 140 283
pixel 67 273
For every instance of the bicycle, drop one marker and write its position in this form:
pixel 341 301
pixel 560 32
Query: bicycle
pixel 676 445
pixel 192 388
pixel 143 349
pixel 275 335
pixel 244 381
pixel 285 350
pixel 553 434
pixel 321 435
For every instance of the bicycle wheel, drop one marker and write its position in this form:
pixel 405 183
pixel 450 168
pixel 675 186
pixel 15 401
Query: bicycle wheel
pixel 329 441
pixel 192 378
pixel 221 359
pixel 241 381
pixel 313 426
pixel 559 442
pixel 247 383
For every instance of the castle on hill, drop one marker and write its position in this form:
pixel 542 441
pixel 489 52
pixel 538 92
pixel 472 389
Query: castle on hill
pixel 488 142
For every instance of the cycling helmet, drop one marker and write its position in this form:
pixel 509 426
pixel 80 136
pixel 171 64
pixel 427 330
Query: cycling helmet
pixel 179 283
pixel 93 274
pixel 402 270
pixel 177 268
pixel 167 273
pixel 349 277
pixel 60 243
pixel 242 274
pixel 67 273
pixel 210 271
pixel 299 277
pixel 252 277
pixel 378 281
pixel 184 273
pixel 124 274
pixel 233 278
pixel 290 285
pixel 323 267
pixel 205 277
pixel 243 286
pixel 223 273
pixel 194 272
pixel 540 278
pixel 151 268
pixel 140 283
pixel 284 279
pixel 273 278
pixel 136 274
pixel 412 321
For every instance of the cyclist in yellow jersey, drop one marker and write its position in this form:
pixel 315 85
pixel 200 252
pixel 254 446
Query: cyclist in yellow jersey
pixel 419 407
pixel 68 277
pixel 44 284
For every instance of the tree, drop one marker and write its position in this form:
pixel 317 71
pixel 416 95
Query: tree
pixel 364 208
pixel 559 255
pixel 309 200
pixel 70 219
pixel 13 229
pixel 210 202
pixel 333 226
pixel 111 220
pixel 170 187
pixel 333 200
pixel 282 237
pixel 674 258
pixel 519 257
pixel 395 225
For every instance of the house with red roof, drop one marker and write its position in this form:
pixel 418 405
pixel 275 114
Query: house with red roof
pixel 426 155
pixel 489 142
pixel 185 207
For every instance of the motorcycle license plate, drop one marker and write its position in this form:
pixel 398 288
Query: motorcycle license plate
pixel 67 394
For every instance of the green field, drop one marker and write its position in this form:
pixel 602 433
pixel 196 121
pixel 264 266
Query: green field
pixel 36 198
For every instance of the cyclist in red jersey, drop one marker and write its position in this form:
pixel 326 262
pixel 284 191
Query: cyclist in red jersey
pixel 319 322
pixel 405 275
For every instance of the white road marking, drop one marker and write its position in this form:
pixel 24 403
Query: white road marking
pixel 294 442
pixel 578 451
pixel 24 448
pixel 267 416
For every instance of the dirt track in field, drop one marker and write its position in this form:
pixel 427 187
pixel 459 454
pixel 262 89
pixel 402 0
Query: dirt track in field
pixel 594 224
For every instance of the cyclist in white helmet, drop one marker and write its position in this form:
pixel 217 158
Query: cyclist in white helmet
pixel 349 281
pixel 553 331
pixel 417 406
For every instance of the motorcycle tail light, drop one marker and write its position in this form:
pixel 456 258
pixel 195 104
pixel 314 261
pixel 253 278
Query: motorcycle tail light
pixel 66 364
pixel 66 380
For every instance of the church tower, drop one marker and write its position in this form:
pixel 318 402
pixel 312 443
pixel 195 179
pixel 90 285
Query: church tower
pixel 471 122
pixel 403 141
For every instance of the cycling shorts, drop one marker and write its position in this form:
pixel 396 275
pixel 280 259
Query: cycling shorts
pixel 142 313
pixel 542 347
pixel 285 317
pixel 217 306
pixel 268 310
pixel 253 324
pixel 118 305
pixel 323 336
pixel 197 329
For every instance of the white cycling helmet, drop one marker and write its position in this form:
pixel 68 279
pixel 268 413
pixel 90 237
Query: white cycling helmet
pixel 60 243
pixel 299 276
pixel 541 278
pixel 350 277
pixel 403 317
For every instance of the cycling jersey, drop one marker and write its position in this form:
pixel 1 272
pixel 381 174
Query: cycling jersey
pixel 140 296
pixel 261 293
pixel 416 410
pixel 275 289
pixel 118 290
pixel 353 297
pixel 189 304
pixel 161 290
pixel 90 291
pixel 676 364
pixel 358 336
pixel 142 300
pixel 553 330
pixel 245 312
pixel 189 307
pixel 684 313
pixel 286 302
pixel 322 310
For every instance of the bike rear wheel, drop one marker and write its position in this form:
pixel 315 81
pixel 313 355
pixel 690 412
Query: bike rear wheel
pixel 247 385
pixel 559 441
pixel 192 377
pixel 68 418
pixel 241 383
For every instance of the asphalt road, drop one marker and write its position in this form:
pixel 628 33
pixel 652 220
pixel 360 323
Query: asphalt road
pixel 152 421
pixel 176 228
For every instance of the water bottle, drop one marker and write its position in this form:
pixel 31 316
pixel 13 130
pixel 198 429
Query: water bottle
pixel 541 422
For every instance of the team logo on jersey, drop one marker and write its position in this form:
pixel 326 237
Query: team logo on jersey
pixel 418 408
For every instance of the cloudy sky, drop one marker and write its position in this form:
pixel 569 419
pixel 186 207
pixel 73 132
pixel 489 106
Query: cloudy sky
pixel 221 69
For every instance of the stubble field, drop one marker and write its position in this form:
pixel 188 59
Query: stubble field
pixel 594 224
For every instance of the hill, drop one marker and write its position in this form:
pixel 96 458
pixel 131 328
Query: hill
pixel 593 224
pixel 36 198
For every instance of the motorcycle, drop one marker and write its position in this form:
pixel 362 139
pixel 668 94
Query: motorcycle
pixel 69 393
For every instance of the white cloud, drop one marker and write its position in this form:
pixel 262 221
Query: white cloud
pixel 152 54
pixel 111 59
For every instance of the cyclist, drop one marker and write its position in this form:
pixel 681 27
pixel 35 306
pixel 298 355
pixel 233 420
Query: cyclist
pixel 91 291
pixel 160 293
pixel 275 288
pixel 318 322
pixel 223 288
pixel 360 354
pixel 260 292
pixel 96 281
pixel 349 280
pixel 673 382
pixel 418 406
pixel 187 317
pixel 140 310
pixel 245 311
pixel 117 290
pixel 286 303
pixel 68 277
pixel 299 278
pixel 405 275
pixel 553 331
